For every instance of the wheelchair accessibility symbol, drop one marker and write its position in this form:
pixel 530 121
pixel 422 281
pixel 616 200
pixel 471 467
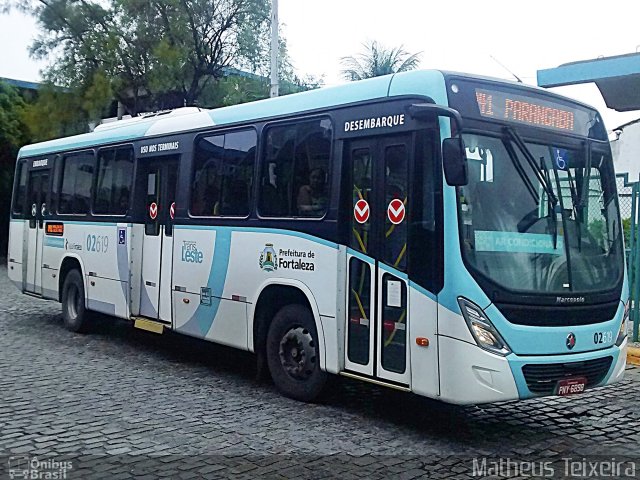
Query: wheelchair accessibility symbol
pixel 560 155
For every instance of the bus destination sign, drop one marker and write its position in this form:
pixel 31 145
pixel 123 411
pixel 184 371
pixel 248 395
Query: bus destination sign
pixel 531 111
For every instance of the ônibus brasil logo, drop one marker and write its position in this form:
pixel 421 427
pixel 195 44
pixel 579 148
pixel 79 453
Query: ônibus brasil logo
pixel 268 258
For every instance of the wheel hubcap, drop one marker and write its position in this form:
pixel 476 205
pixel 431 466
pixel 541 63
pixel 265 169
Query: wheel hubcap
pixel 298 353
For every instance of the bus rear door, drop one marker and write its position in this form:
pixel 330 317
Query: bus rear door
pixel 161 176
pixel 378 316
pixel 37 196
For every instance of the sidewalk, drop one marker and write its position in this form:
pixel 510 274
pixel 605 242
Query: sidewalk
pixel 633 353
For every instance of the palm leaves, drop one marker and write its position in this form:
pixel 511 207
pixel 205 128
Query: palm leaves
pixel 376 60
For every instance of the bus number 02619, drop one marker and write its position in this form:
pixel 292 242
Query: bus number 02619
pixel 602 337
pixel 97 243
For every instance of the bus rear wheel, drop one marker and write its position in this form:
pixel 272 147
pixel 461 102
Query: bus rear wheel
pixel 74 312
pixel 293 354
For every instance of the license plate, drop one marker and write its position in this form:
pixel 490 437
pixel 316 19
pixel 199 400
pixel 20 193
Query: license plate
pixel 571 386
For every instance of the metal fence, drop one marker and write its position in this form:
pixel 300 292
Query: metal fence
pixel 629 196
pixel 624 194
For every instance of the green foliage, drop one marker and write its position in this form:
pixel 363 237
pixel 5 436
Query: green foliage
pixel 59 112
pixel 12 129
pixel 597 230
pixel 626 228
pixel 153 53
pixel 149 55
pixel 233 90
pixel 13 134
pixel 376 60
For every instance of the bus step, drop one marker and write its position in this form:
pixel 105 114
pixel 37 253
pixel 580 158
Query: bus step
pixel 148 325
pixel 404 388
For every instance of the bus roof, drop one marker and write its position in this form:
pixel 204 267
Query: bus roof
pixel 418 82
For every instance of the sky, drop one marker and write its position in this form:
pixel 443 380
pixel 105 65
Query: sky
pixel 461 35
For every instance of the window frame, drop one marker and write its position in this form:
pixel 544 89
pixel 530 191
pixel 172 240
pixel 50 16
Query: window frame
pixel 20 169
pixel 251 203
pixel 261 164
pixel 63 160
pixel 94 185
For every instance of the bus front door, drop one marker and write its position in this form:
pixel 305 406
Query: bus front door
pixel 378 316
pixel 38 191
pixel 160 177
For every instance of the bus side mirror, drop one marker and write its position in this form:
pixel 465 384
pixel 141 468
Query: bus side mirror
pixel 454 160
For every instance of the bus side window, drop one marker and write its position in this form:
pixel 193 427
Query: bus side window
pixel 425 231
pixel 20 189
pixel 313 151
pixel 223 174
pixel 276 172
pixel 205 185
pixel 113 186
pixel 294 180
pixel 237 178
pixel 77 181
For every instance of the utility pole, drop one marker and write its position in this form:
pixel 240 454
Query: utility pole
pixel 274 49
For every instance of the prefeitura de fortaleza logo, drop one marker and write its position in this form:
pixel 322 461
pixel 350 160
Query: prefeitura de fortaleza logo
pixel 268 258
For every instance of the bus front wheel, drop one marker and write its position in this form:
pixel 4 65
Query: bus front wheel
pixel 73 308
pixel 293 354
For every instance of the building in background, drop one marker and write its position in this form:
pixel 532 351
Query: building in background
pixel 626 149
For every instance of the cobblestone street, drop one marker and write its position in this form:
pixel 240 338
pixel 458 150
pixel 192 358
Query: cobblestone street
pixel 122 403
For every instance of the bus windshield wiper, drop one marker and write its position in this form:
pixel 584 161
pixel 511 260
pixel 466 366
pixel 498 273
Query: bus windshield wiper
pixel 583 196
pixel 532 163
pixel 553 200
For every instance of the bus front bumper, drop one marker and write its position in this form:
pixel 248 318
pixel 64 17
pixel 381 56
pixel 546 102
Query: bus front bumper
pixel 471 375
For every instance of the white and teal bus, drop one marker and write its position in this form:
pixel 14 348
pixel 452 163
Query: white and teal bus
pixel 453 236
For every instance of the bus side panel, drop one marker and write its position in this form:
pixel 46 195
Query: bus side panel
pixel 335 328
pixel 104 249
pixel 201 306
pixel 219 273
pixel 135 241
pixel 289 258
pixel 424 360
pixel 16 251
pixel 53 252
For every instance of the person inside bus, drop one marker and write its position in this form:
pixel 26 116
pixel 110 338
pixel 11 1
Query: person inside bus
pixel 312 198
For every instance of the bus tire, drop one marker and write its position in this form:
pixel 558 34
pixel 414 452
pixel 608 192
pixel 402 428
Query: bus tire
pixel 74 312
pixel 293 354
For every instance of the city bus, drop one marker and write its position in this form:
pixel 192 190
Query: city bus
pixel 444 234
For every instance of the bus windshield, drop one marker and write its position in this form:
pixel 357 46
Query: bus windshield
pixel 536 217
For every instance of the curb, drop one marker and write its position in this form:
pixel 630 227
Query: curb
pixel 633 355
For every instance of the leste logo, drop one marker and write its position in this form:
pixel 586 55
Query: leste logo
pixel 190 252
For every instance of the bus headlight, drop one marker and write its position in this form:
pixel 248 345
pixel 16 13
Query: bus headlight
pixel 622 333
pixel 482 329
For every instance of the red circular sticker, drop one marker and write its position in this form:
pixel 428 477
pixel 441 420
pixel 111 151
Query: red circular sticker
pixel 396 211
pixel 172 210
pixel 361 211
pixel 153 210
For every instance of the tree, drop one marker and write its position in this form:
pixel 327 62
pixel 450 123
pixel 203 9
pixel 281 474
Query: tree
pixel 148 55
pixel 376 60
pixel 155 53
pixel 13 134
pixel 58 112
